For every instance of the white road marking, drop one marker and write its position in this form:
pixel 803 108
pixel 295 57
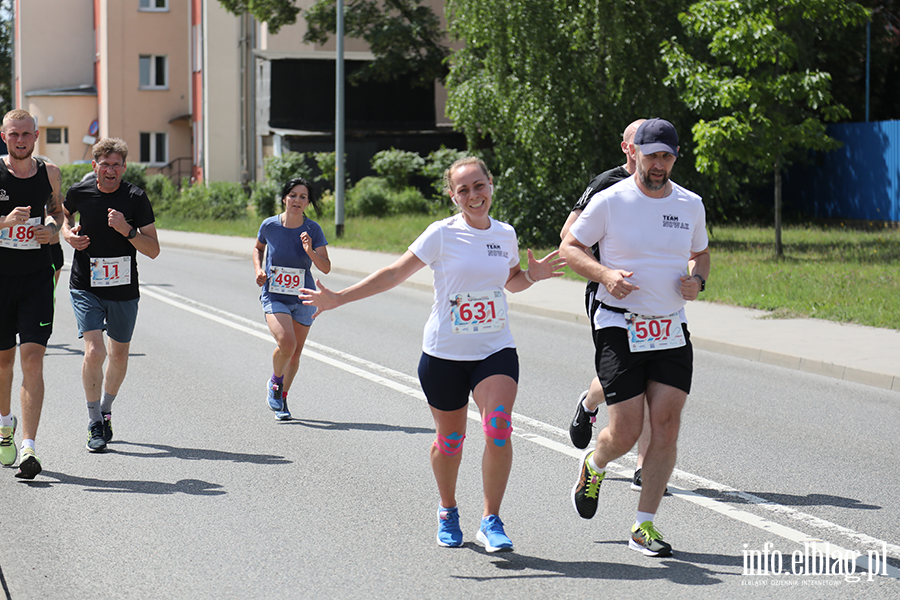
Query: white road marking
pixel 405 384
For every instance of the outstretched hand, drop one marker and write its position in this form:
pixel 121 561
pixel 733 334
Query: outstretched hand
pixel 322 298
pixel 546 267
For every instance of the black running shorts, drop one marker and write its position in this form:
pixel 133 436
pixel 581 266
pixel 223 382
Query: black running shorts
pixel 624 374
pixel 26 308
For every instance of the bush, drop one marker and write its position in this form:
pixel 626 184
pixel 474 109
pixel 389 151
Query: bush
pixel 408 201
pixel 226 200
pixel 397 166
pixel 264 197
pixel 72 174
pixel 162 193
pixel 435 164
pixel 136 174
pixel 370 197
pixel 219 200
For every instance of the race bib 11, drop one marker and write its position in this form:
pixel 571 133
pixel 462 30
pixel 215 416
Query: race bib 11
pixel 109 272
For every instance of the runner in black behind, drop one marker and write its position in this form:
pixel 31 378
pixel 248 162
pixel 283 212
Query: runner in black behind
pixel 115 223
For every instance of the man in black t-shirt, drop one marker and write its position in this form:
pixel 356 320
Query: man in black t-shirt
pixel 581 426
pixel 30 214
pixel 115 223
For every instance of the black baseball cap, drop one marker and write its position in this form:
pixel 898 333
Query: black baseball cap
pixel 656 135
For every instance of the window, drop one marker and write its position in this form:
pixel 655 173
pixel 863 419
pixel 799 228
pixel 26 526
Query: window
pixel 57 135
pixel 154 5
pixel 153 148
pixel 153 72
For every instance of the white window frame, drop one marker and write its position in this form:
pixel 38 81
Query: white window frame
pixel 152 6
pixel 152 60
pixel 154 139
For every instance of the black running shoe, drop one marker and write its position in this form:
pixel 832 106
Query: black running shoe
pixel 107 427
pixel 95 442
pixel 587 488
pixel 29 466
pixel 581 429
pixel 637 483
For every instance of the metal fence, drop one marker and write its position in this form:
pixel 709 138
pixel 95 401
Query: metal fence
pixel 860 181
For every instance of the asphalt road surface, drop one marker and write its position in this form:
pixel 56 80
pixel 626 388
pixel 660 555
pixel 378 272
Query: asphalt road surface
pixel 203 494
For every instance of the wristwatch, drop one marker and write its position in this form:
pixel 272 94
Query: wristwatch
pixel 134 232
pixel 702 282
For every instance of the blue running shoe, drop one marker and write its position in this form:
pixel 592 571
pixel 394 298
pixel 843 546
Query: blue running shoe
pixel 449 534
pixel 274 393
pixel 492 535
pixel 284 414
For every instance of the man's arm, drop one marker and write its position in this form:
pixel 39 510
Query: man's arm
pixel 698 264
pixel 579 258
pixel 53 221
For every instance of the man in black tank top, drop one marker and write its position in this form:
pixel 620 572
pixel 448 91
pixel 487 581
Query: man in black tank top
pixel 29 190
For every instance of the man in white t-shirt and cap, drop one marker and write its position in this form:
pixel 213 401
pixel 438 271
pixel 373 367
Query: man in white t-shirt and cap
pixel 652 237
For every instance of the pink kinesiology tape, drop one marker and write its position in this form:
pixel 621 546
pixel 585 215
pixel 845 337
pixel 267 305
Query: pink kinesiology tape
pixel 490 426
pixel 450 445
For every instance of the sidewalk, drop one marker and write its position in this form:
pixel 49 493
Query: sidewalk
pixel 855 353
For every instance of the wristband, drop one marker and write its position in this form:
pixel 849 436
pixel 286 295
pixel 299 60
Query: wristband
pixel 528 277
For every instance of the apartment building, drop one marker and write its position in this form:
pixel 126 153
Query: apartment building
pixel 198 92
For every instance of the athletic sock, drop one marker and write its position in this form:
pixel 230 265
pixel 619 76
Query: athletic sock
pixel 27 444
pixel 6 421
pixel 94 413
pixel 106 402
pixel 585 407
pixel 593 465
pixel 643 517
pixel 278 380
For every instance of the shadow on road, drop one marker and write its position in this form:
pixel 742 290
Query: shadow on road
pixel 788 499
pixel 682 568
pixel 193 487
pixel 335 426
pixel 163 451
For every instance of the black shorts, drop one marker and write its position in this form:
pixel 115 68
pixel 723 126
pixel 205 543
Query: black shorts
pixel 26 308
pixel 447 383
pixel 56 253
pixel 624 374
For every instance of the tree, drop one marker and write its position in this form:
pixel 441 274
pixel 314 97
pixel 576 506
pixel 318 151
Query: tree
pixel 548 86
pixel 404 36
pixel 274 13
pixel 755 78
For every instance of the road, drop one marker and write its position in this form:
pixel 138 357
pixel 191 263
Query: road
pixel 205 495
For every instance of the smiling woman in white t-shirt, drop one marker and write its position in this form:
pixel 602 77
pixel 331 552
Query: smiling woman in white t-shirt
pixel 467 345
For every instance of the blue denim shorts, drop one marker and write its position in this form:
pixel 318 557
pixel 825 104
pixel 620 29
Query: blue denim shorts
pixel 116 317
pixel 299 312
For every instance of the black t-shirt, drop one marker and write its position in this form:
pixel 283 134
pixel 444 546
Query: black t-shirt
pixel 34 191
pixel 92 205
pixel 598 184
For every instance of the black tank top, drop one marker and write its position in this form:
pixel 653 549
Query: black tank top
pixel 34 191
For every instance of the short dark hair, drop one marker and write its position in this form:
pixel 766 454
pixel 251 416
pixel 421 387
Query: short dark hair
pixel 286 189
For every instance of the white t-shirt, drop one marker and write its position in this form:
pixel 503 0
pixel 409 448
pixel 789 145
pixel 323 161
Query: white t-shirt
pixel 652 237
pixel 466 260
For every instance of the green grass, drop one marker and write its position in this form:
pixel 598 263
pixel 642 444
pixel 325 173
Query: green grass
pixel 834 273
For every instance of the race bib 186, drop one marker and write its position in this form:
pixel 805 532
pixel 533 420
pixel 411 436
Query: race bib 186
pixel 20 237
pixel 654 333
pixel 286 280
pixel 108 272
pixel 477 312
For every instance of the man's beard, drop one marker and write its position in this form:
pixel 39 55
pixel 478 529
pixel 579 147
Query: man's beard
pixel 648 183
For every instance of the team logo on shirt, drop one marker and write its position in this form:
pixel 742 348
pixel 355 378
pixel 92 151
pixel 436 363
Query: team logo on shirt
pixel 496 250
pixel 3 196
pixel 672 222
